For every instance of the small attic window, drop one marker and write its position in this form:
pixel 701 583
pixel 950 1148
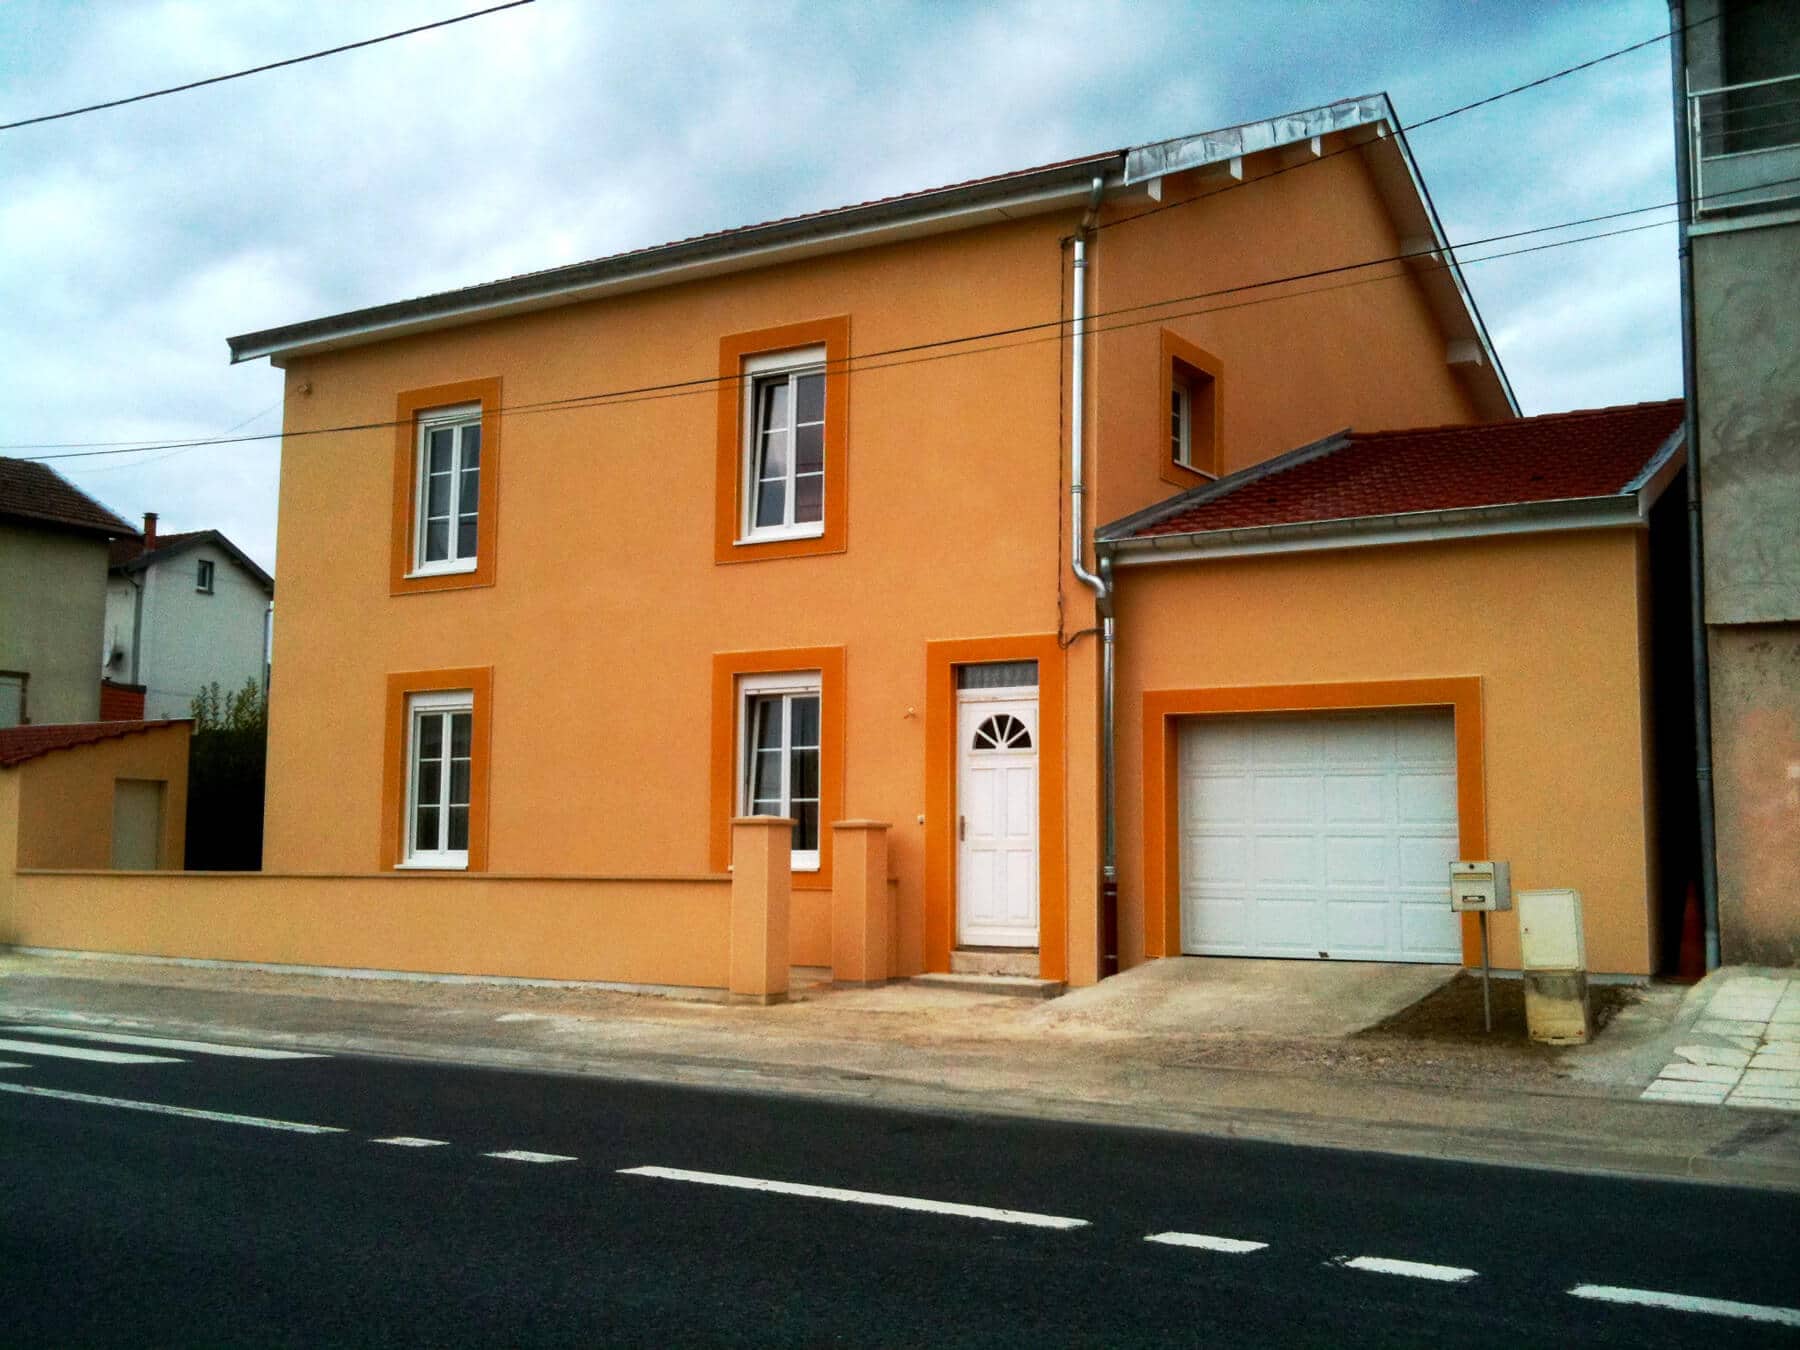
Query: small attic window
pixel 1189 443
pixel 203 577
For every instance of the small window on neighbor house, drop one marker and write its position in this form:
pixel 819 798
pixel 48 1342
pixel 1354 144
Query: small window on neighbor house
pixel 12 698
pixel 203 577
pixel 784 453
pixel 440 742
pixel 448 478
pixel 779 756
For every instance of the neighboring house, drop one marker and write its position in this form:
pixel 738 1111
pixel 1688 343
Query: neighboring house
pixel 53 549
pixel 184 611
pixel 100 795
pixel 1742 78
pixel 749 548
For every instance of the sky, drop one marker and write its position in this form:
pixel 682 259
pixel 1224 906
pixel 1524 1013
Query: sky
pixel 135 240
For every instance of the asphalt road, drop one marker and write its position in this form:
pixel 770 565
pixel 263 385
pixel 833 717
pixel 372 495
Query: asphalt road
pixel 124 1226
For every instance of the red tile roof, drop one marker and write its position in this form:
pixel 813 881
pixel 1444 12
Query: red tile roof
pixel 33 491
pixel 127 550
pixel 18 744
pixel 1557 457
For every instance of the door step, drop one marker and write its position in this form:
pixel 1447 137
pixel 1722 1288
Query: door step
pixel 1015 986
pixel 1019 961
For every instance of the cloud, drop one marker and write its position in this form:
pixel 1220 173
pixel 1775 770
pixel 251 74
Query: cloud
pixel 133 241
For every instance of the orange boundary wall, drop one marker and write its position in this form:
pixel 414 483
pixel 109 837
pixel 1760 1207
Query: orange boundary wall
pixel 1162 910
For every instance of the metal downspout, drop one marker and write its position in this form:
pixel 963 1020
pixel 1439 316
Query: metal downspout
pixel 1709 859
pixel 1100 584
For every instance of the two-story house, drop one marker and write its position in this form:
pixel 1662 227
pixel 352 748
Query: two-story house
pixel 53 548
pixel 1737 68
pixel 185 611
pixel 798 520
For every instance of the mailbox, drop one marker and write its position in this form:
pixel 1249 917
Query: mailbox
pixel 1480 887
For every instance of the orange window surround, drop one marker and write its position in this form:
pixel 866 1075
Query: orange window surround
pixel 729 486
pixel 1163 709
pixel 479 681
pixel 941 661
pixel 1201 371
pixel 727 667
pixel 407 408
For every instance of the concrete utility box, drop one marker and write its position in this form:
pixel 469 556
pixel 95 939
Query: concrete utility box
pixel 1553 955
pixel 1477 887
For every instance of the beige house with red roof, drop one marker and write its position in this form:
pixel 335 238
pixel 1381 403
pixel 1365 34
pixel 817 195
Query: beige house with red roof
pixel 53 561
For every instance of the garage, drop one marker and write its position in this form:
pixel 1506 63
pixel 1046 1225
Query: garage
pixel 1323 836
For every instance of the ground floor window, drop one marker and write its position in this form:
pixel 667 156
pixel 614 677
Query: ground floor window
pixel 779 755
pixel 439 763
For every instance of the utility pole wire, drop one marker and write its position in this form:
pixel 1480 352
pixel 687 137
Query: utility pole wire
pixel 257 70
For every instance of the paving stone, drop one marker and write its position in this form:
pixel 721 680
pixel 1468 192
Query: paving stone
pixel 1697 1094
pixel 1764 1060
pixel 1699 1073
pixel 1713 1026
pixel 1766 1080
pixel 1714 1054
pixel 1763 1103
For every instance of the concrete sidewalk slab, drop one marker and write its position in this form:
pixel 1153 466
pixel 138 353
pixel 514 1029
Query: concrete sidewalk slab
pixel 937 1049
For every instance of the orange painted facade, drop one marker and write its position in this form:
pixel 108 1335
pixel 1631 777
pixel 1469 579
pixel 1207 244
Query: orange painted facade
pixel 617 610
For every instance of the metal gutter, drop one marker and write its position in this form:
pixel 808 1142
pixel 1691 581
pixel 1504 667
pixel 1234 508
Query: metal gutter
pixel 731 250
pixel 1690 383
pixel 1410 527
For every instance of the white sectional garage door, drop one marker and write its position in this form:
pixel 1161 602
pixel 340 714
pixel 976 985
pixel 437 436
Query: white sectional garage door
pixel 1320 835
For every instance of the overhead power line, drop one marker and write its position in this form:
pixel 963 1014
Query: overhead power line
pixel 257 70
pixel 1439 259
pixel 1422 122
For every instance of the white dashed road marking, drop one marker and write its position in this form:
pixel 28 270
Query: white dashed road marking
pixel 409 1141
pixel 162 1109
pixel 1718 1307
pixel 8 1064
pixel 1417 1270
pixel 1017 1216
pixel 164 1043
pixel 526 1155
pixel 82 1052
pixel 1205 1241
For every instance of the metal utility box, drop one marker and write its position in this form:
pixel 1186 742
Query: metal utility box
pixel 1550 931
pixel 1480 887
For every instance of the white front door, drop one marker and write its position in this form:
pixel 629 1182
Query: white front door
pixel 997 824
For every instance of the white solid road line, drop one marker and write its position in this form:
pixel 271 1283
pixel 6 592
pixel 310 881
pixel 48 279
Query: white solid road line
pixel 1417 1270
pixel 1018 1216
pixel 526 1155
pixel 162 1109
pixel 8 1064
pixel 82 1052
pixel 164 1043
pixel 1205 1241
pixel 408 1141
pixel 1718 1307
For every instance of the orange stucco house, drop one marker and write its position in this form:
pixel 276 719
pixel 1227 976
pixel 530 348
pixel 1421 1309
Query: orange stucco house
pixel 587 563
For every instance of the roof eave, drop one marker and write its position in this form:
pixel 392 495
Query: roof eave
pixel 1624 509
pixel 736 250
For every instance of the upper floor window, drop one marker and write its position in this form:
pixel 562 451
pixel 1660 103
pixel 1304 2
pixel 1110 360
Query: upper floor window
pixel 784 456
pixel 446 468
pixel 447 524
pixel 12 698
pixel 203 577
pixel 781 488
pixel 1189 444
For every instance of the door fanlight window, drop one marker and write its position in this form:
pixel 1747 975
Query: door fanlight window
pixel 1002 731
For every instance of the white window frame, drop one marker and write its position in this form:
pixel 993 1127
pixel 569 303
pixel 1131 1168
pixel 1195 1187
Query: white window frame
pixel 786 682
pixel 1181 411
pixel 436 701
pixel 794 362
pixel 459 417
pixel 203 576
